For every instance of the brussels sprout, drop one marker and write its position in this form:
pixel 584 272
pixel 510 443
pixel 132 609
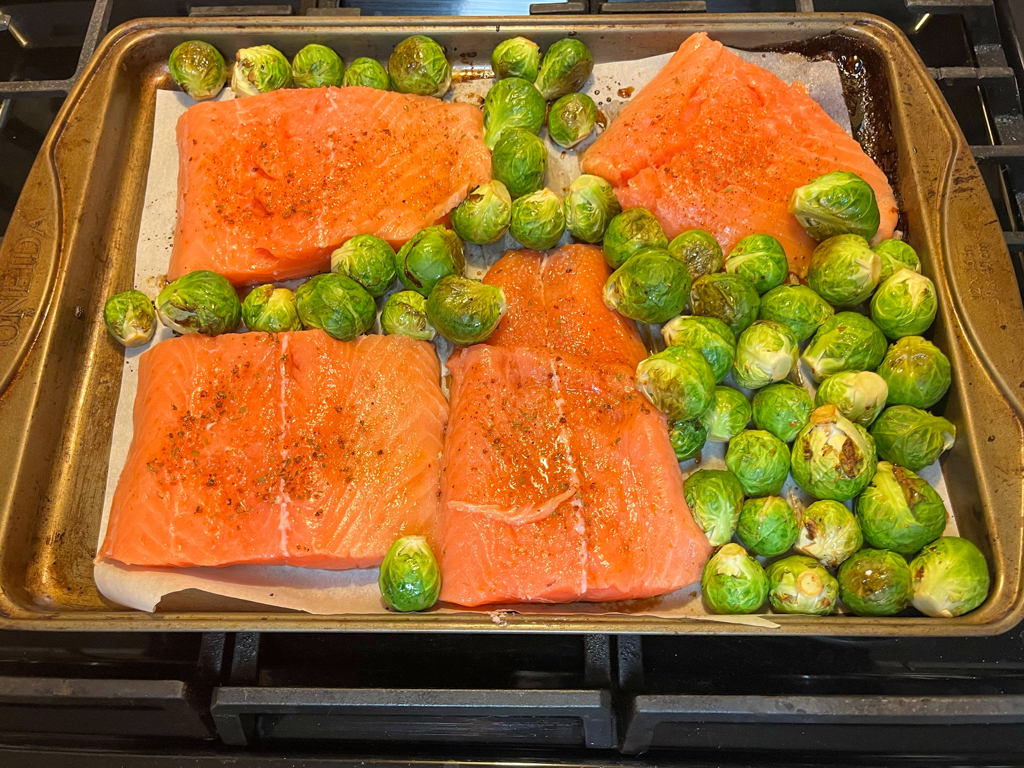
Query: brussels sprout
pixel 733 581
pixel 760 260
pixel 270 309
pixel 859 396
pixel 910 437
pixel 709 336
pixel 715 499
pixel 699 251
pixel 651 287
pixel 800 585
pixel 512 103
pixel 844 270
pixel 765 353
pixel 727 416
pixel 896 254
pixel 369 261
pixel 538 219
pixel 565 68
pixel 337 305
pixel 904 305
pixel 730 298
pixel 260 69
pixel 900 511
pixel 431 254
pixel 419 65
pixel 483 217
pixel 833 458
pixel 838 203
pixel 130 318
pixel 200 302
pixel 629 232
pixel 368 73
pixel 679 382
pixel 589 207
pixel 782 409
pixel 797 307
pixel 572 119
pixel 767 526
pixel 405 313
pixel 759 460
pixel 875 582
pixel 317 66
pixel 198 69
pixel 516 57
pixel 519 161
pixel 410 579
pixel 845 342
pixel 829 533
pixel 464 310
pixel 687 438
pixel 950 578
pixel 916 371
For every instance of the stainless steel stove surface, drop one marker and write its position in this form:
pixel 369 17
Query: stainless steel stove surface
pixel 252 699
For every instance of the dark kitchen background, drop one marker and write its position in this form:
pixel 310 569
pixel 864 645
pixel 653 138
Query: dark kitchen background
pixel 250 699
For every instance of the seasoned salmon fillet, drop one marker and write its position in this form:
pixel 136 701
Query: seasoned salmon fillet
pixel 270 185
pixel 716 143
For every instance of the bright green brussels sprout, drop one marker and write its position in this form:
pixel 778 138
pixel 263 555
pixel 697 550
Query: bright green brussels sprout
pixel 759 460
pixel 730 298
pixel 782 409
pixel 270 309
pixel 419 65
pixel 260 69
pixel 130 318
pixel 844 270
pixel 369 261
pixel 651 287
pixel 829 533
pixel 799 584
pixel 838 203
pixel 859 395
pixel 687 438
pixel 198 68
pixel 317 66
pixel 715 499
pixel 916 371
pixel 589 207
pixel 405 314
pixel 410 579
pixel 679 382
pixel 572 119
pixel 904 305
pixel 565 68
pixel 516 57
pixel 519 161
pixel 708 335
pixel 910 437
pixel 630 231
pixel 727 416
pixel 845 342
pixel 464 310
pixel 833 458
pixel 368 73
pixel 699 251
pixel 431 254
pixel 200 302
pixel 765 353
pixel 767 526
pixel 337 305
pixel 900 511
pixel 512 103
pixel 733 581
pixel 760 260
pixel 797 307
pixel 875 582
pixel 896 254
pixel 538 219
pixel 483 217
pixel 950 578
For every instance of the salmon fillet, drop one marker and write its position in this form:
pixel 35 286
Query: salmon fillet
pixel 270 185
pixel 289 449
pixel 716 143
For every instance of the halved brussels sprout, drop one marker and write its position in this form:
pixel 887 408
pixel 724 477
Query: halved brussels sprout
pixel 708 335
pixel 519 161
pixel 859 395
pixel 687 438
pixel 260 69
pixel 767 526
pixel 629 232
pixel 317 66
pixel 845 342
pixel 950 578
pixel 484 216
pixel 916 372
pixel 369 261
pixel 589 207
pixel 911 437
pixel 198 69
pixel 875 582
pixel 270 309
pixel 200 302
pixel 538 219
pixel 419 65
pixel 900 511
pixel 410 579
pixel 336 304
pixel 130 318
pixel 800 585
pixel 896 254
pixel 759 460
pixel 904 305
pixel 782 409
pixel 715 499
pixel 651 287
pixel 405 314
pixel 760 260
pixel 765 353
pixel 838 203
pixel 833 458
pixel 727 416
pixel 512 103
pixel 699 251
pixel 797 307
pixel 368 73
pixel 730 298
pixel 431 254
pixel 572 119
pixel 516 57
pixel 829 533
pixel 565 68
pixel 679 382
pixel 464 310
pixel 733 581
pixel 844 270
